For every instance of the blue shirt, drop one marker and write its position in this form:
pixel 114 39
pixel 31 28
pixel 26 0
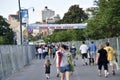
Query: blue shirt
pixel 92 47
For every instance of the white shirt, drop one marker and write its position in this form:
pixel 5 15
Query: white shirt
pixel 46 49
pixel 83 48
pixel 40 51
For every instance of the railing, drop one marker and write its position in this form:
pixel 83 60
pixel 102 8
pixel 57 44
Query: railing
pixel 114 42
pixel 13 58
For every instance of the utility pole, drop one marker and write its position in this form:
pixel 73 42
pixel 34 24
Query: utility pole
pixel 20 21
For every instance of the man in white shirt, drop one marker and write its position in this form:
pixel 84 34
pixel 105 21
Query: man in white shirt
pixel 40 52
pixel 84 50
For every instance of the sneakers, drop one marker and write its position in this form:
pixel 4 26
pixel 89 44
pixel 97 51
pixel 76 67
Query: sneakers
pixel 113 72
pixel 86 63
pixel 57 75
pixel 108 73
pixel 47 77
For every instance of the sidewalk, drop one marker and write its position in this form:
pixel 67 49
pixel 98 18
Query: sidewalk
pixel 35 71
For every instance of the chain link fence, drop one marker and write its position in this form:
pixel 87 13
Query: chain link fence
pixel 13 58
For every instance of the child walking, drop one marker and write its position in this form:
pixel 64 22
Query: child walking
pixel 47 68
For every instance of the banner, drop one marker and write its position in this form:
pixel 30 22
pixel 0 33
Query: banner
pixel 58 26
pixel 24 15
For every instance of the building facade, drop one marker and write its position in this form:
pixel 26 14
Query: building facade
pixel 13 20
pixel 48 16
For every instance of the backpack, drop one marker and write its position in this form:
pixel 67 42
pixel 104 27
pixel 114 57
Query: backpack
pixel 69 57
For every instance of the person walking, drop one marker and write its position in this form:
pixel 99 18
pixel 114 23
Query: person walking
pixel 46 50
pixel 56 59
pixel 47 68
pixel 64 65
pixel 83 51
pixel 73 52
pixel 101 60
pixel 54 50
pixel 111 56
pixel 92 53
pixel 50 51
pixel 40 51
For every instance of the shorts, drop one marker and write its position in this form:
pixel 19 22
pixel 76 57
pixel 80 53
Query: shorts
pixel 104 65
pixel 111 63
pixel 65 68
pixel 92 54
pixel 47 71
pixel 84 55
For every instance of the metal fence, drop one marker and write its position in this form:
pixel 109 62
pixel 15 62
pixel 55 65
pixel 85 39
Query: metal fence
pixel 13 58
pixel 114 42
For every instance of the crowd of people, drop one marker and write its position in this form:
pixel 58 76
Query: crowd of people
pixel 64 57
pixel 45 50
pixel 102 56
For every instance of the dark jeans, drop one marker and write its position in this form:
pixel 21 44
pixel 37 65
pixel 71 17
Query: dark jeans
pixel 45 54
pixel 40 55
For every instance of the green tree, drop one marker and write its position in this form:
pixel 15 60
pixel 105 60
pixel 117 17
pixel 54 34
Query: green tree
pixel 106 23
pixel 74 15
pixel 6 34
pixel 64 35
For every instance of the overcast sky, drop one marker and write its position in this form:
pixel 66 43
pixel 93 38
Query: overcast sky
pixel 59 6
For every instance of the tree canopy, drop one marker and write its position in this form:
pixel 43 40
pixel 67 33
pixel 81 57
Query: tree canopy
pixel 106 22
pixel 75 14
pixel 6 34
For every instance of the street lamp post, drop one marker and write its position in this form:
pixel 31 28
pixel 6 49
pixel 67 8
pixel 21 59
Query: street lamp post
pixel 20 22
pixel 22 12
pixel 27 24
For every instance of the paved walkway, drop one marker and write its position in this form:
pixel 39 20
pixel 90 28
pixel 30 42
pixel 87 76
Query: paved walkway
pixel 35 71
